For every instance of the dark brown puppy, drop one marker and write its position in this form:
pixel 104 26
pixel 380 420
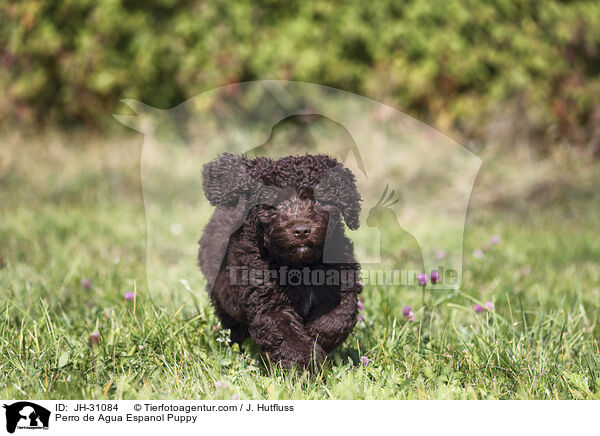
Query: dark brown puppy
pixel 278 264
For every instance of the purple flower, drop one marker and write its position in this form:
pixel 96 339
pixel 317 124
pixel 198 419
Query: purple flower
pixel 220 385
pixel 129 295
pixel 235 397
pixel 435 277
pixel 361 306
pixel 478 253
pixel 408 313
pixel 495 239
pixel 364 360
pixel 86 283
pixel 422 279
pixel 360 318
pixel 94 339
pixel 478 308
pixel 440 254
pixel 489 305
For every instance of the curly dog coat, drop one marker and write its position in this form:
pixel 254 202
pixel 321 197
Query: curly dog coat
pixel 278 264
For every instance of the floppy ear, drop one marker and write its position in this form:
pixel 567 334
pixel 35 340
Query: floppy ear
pixel 349 199
pixel 225 180
pixel 339 186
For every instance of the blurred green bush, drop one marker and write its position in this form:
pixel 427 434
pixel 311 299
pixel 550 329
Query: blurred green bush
pixel 477 69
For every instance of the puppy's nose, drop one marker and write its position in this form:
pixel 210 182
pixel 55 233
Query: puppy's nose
pixel 301 230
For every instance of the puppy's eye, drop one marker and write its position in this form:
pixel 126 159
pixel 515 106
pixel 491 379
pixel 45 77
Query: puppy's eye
pixel 315 201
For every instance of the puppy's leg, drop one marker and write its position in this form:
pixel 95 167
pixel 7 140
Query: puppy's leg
pixel 331 328
pixel 282 335
pixel 239 331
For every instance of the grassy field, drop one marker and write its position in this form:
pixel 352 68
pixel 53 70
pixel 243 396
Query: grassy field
pixel 71 211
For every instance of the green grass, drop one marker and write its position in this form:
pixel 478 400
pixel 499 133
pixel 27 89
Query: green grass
pixel 69 211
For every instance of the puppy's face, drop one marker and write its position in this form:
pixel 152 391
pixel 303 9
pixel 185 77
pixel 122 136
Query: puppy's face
pixel 295 226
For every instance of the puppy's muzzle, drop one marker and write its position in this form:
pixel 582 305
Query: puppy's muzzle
pixel 301 231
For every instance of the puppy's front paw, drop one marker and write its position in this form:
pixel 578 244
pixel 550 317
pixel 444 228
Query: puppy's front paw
pixel 304 354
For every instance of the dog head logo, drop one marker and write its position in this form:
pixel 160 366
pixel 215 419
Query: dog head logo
pixel 26 415
pixel 429 177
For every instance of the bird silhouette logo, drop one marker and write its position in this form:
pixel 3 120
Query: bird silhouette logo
pixel 383 217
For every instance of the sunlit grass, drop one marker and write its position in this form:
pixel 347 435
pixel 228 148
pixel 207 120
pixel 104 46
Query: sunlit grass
pixel 75 212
